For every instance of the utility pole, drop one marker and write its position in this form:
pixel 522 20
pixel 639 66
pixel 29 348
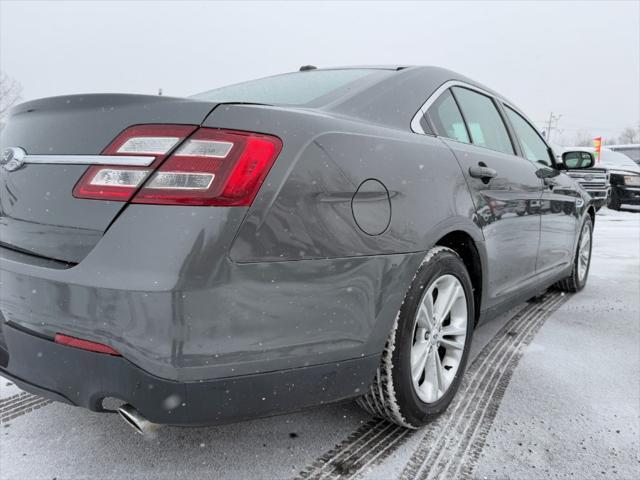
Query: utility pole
pixel 551 124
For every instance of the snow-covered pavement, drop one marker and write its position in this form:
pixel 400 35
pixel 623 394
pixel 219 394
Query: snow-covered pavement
pixel 553 392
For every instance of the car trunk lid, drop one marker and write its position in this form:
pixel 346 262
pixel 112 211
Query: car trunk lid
pixel 38 212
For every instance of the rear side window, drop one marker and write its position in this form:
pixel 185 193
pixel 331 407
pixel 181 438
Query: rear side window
pixel 299 88
pixel 533 147
pixel 445 117
pixel 483 120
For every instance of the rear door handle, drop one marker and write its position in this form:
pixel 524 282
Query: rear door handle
pixel 482 172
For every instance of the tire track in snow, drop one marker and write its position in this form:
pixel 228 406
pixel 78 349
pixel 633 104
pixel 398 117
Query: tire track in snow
pixel 13 398
pixel 20 404
pixel 466 429
pixel 480 394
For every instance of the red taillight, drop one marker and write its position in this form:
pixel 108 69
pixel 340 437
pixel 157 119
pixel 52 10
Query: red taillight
pixel 210 167
pixel 213 167
pixel 120 182
pixel 84 344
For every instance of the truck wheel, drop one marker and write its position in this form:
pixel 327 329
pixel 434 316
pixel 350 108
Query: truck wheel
pixel 614 203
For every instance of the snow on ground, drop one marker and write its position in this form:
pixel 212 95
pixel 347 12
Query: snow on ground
pixel 570 410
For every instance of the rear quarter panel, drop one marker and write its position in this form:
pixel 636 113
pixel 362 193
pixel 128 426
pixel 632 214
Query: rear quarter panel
pixel 304 209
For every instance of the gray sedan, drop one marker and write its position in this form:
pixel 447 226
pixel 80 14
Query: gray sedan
pixel 281 243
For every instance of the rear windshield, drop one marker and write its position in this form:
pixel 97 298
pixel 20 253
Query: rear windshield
pixel 310 88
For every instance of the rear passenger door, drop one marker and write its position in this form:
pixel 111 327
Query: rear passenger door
pixel 504 186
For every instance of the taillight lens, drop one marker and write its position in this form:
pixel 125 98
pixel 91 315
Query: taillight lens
pixel 210 167
pixel 120 182
pixel 213 167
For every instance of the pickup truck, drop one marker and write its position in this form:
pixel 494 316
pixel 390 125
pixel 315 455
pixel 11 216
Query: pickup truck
pixel 621 174
pixel 594 180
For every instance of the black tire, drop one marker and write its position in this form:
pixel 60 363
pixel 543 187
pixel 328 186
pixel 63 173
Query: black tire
pixel 614 202
pixel 392 395
pixel 573 283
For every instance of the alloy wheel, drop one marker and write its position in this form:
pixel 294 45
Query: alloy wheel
pixel 584 251
pixel 439 336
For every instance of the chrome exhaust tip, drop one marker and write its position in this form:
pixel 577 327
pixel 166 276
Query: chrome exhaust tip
pixel 136 421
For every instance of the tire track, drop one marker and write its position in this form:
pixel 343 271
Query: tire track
pixel 432 460
pixel 472 412
pixel 20 404
pixel 13 398
pixel 333 460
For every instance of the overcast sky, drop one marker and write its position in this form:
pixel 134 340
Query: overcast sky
pixel 578 59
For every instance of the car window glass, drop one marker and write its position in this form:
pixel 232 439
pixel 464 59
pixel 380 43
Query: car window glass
pixel 533 147
pixel 484 121
pixel 572 159
pixel 576 159
pixel 445 116
pixel 298 88
pixel 586 160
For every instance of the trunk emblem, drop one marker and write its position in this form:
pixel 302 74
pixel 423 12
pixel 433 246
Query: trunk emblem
pixel 12 158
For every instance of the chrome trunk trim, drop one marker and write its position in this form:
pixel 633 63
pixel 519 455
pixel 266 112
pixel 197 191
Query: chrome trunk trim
pixel 122 160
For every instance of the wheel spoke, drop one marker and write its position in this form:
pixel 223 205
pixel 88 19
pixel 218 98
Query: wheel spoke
pixel 444 304
pixel 431 373
pixel 453 331
pixel 445 342
pixel 419 354
pixel 425 312
pixel 439 372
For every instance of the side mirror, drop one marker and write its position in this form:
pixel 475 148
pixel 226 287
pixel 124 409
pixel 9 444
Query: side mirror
pixel 577 159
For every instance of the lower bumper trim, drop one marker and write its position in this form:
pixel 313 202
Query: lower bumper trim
pixel 83 378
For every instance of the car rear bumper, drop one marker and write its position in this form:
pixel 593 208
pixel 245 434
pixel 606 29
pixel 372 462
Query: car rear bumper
pixel 195 315
pixel 82 378
pixel 190 322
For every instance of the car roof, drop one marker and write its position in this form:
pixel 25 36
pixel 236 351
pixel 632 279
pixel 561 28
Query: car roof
pixel 395 99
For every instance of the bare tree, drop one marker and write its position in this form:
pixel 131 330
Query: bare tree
pixel 583 139
pixel 10 91
pixel 630 135
pixel 609 141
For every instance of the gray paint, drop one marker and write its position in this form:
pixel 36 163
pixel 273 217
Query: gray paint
pixel 38 213
pixel 195 293
pixel 371 207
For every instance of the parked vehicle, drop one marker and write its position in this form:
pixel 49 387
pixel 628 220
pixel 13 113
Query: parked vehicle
pixel 594 180
pixel 631 150
pixel 622 171
pixel 277 244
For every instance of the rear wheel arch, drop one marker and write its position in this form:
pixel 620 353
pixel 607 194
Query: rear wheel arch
pixel 592 213
pixel 392 394
pixel 465 246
